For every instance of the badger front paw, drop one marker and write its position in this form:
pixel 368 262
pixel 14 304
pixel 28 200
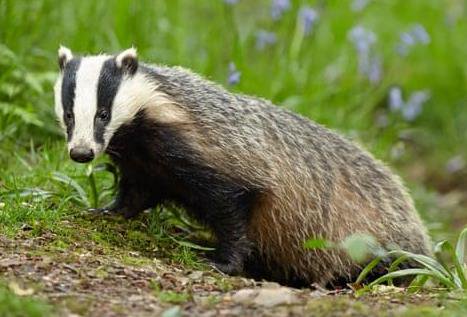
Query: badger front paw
pixel 113 209
pixel 125 212
pixel 104 211
pixel 230 268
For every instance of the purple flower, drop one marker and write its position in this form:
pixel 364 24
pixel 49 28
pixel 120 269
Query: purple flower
pixel 308 17
pixel 411 109
pixel 278 7
pixel 234 74
pixel 368 63
pixel 362 38
pixel 395 99
pixel 359 5
pixel 264 39
pixel 231 2
pixel 414 105
pixel 374 70
pixel 416 35
pixel 420 34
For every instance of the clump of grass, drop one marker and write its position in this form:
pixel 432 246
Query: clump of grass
pixel 448 268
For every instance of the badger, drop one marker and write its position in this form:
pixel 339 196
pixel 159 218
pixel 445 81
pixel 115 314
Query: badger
pixel 261 177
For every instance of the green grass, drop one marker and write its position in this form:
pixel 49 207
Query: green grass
pixel 448 269
pixel 41 191
pixel 12 305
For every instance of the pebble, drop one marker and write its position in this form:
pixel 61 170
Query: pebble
pixel 274 297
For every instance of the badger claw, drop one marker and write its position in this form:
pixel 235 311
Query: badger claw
pixel 105 211
pixel 230 268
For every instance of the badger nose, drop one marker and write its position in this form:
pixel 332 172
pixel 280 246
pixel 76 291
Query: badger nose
pixel 81 154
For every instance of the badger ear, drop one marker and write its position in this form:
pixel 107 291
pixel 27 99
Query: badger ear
pixel 64 56
pixel 127 61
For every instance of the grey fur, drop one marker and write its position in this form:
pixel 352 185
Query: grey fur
pixel 315 183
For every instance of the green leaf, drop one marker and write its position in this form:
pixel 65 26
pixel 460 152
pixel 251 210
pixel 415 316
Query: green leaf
pixel 360 246
pixel 26 116
pixel 426 261
pixel 459 278
pixel 367 269
pixel 460 247
pixel 408 272
pixel 69 181
pixel 191 245
pixel 418 283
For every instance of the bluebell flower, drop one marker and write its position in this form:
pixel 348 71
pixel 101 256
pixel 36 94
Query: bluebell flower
pixel 234 75
pixel 411 109
pixel 414 105
pixel 278 7
pixel 368 64
pixel 308 18
pixel 395 99
pixel 416 35
pixel 362 38
pixel 374 70
pixel 264 39
pixel 231 2
pixel 359 5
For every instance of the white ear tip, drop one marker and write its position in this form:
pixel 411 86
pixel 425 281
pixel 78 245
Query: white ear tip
pixel 131 52
pixel 65 52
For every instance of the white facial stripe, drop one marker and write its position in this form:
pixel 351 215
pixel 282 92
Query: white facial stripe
pixel 58 100
pixel 85 103
pixel 134 94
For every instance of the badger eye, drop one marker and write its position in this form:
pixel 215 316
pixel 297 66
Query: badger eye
pixel 103 115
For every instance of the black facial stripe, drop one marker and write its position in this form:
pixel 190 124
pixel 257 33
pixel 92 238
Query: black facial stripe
pixel 68 94
pixel 109 81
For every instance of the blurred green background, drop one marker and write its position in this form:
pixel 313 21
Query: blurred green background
pixel 391 74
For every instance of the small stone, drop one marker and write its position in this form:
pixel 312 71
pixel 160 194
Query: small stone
pixel 196 275
pixel 274 297
pixel 172 312
pixel 244 296
pixel 18 290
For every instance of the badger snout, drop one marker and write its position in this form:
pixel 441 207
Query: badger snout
pixel 81 154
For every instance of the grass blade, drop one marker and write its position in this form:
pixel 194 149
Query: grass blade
pixel 191 245
pixel 92 183
pixel 60 177
pixel 459 278
pixel 417 283
pixel 460 247
pixel 438 250
pixel 367 269
pixel 419 272
pixel 426 261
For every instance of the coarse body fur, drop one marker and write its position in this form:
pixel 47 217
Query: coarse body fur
pixel 264 179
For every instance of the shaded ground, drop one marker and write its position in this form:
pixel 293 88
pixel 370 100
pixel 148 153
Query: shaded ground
pixel 87 279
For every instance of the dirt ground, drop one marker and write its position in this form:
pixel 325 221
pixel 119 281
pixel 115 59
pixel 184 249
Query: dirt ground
pixel 83 280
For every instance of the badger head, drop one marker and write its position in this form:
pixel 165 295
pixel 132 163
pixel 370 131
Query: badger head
pixel 92 99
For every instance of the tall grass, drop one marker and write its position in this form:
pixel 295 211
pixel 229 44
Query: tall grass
pixel 315 74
